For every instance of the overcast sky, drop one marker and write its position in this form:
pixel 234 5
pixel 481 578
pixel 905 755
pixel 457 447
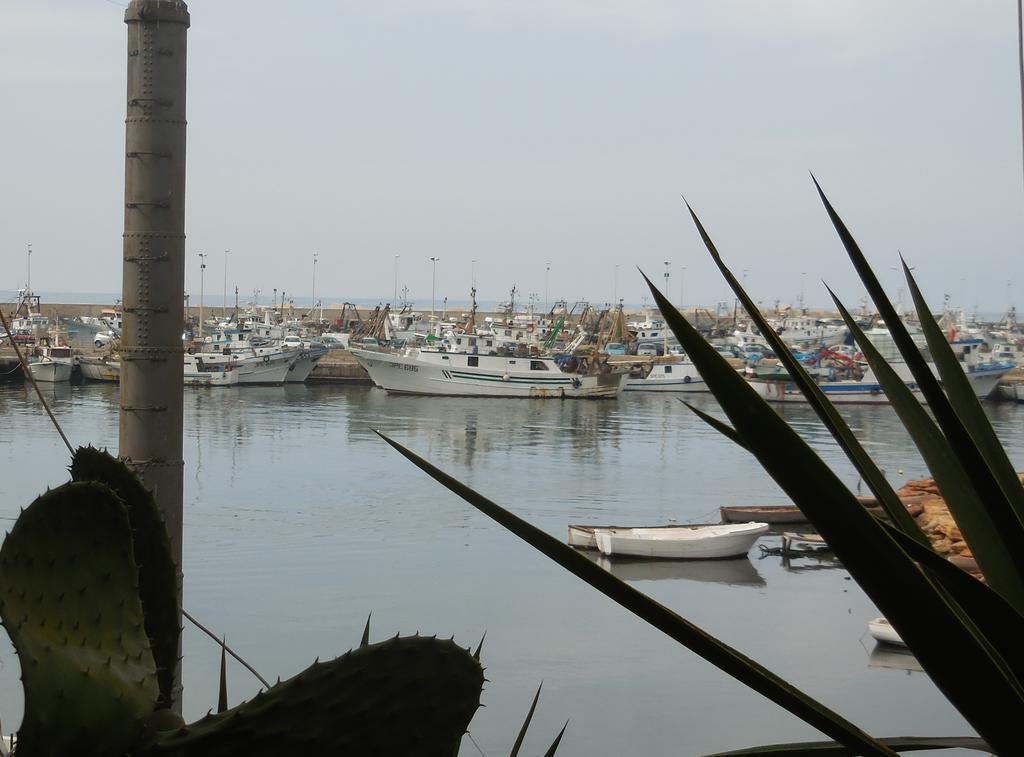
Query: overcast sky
pixel 521 132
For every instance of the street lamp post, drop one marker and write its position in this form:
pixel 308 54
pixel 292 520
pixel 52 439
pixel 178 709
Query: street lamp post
pixel 28 281
pixel 433 283
pixel 472 273
pixel 664 327
pixel 547 274
pixel 224 304
pixel 316 257
pixel 202 275
pixel 615 286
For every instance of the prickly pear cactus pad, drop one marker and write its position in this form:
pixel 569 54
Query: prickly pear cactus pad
pixel 405 696
pixel 69 600
pixel 158 575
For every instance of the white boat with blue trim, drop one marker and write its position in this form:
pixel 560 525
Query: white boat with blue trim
pixel 677 376
pixel 983 376
pixel 464 374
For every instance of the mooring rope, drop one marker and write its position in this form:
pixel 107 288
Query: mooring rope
pixel 32 380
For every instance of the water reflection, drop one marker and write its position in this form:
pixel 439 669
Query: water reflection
pixel 737 572
pixel 894 658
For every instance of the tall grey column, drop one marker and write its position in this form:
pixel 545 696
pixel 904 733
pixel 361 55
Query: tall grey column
pixel 154 256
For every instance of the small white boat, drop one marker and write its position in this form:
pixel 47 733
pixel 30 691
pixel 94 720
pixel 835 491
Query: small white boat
pixel 681 542
pixel 679 376
pixel 881 630
pixel 51 364
pixel 196 373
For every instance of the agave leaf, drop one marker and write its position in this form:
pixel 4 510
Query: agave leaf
pixel 222 692
pixel 960 495
pixel 825 410
pixel 526 723
pixel 1000 543
pixel 716 652
pixel 723 428
pixel 902 592
pixel 994 618
pixel 826 748
pixel 966 404
pixel 558 739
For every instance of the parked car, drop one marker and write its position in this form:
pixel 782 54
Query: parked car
pixel 648 349
pixel 103 338
pixel 614 348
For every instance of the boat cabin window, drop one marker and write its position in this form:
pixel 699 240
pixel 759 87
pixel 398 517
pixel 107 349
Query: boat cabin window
pixel 472 360
pixel 489 343
pixel 508 332
pixel 668 369
pixel 538 365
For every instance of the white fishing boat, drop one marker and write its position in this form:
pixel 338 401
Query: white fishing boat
pixel 305 360
pixel 681 543
pixel 51 364
pixel 464 374
pixel 881 630
pixel 50 370
pixel 100 367
pixel 678 376
pixel 197 373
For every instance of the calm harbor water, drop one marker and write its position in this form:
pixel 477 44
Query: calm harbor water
pixel 300 522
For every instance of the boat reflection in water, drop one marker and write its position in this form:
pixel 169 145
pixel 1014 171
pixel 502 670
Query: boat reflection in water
pixel 893 657
pixel 735 572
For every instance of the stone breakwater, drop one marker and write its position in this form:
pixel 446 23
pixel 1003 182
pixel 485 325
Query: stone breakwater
pixel 926 504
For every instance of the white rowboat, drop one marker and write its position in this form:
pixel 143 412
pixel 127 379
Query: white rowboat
pixel 681 542
pixel 881 630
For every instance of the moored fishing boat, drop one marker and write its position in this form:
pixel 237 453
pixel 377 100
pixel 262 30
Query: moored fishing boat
pixel 676 376
pixel 51 364
pixel 463 374
pixel 100 368
pixel 197 373
pixel 710 542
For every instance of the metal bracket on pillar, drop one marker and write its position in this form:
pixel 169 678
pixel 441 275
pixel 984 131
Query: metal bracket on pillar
pixel 143 309
pixel 141 153
pixel 163 257
pixel 144 408
pixel 144 101
pixel 158 204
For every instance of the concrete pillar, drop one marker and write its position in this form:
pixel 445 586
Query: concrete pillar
pixel 154 256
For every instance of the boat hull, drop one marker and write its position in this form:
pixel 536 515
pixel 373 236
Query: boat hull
pixel 881 630
pixel 686 543
pixel 50 371
pixel 303 365
pixel 764 514
pixel 99 369
pixel 407 373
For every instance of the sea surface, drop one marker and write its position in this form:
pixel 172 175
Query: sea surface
pixel 300 522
